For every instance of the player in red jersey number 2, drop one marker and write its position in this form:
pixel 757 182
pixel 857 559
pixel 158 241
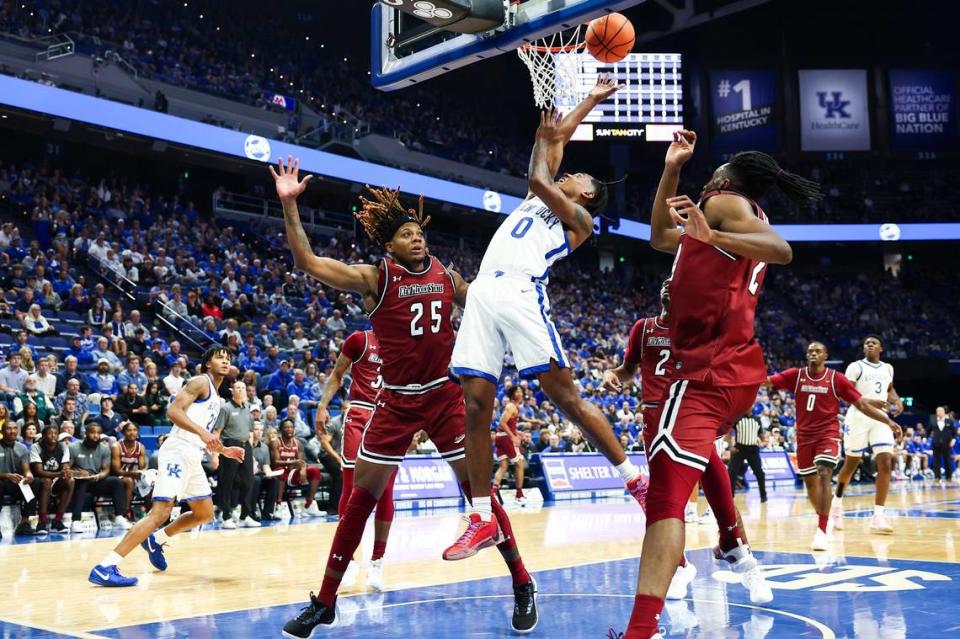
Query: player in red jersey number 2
pixel 409 298
pixel 721 250
pixel 818 391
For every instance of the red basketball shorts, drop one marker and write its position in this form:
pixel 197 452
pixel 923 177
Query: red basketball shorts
pixel 399 416
pixel 503 444
pixel 354 421
pixel 817 449
pixel 683 431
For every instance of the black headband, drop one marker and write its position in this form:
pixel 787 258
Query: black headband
pixel 397 222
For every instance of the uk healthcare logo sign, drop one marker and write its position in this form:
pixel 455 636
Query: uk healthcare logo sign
pixel 923 108
pixel 745 111
pixel 834 110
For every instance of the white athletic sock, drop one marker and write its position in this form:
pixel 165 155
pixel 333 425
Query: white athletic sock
pixel 838 502
pixel 628 470
pixel 161 536
pixel 112 559
pixel 482 506
pixel 878 511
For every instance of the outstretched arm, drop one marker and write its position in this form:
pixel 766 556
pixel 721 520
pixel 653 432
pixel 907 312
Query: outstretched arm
pixel 578 221
pixel 604 88
pixel 664 234
pixel 731 225
pixel 361 278
pixel 330 387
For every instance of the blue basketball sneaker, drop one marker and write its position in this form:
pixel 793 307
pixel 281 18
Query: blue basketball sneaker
pixel 109 576
pixel 155 551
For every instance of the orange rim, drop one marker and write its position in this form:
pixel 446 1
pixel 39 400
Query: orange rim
pixel 542 49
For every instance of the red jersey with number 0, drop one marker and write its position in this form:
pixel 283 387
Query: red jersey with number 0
pixel 649 348
pixel 363 349
pixel 817 398
pixel 413 326
pixel 713 302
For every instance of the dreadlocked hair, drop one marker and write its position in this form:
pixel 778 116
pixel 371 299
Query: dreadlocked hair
pixel 755 173
pixel 382 214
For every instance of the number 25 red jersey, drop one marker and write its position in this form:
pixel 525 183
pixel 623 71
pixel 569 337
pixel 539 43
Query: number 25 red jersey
pixel 818 398
pixel 412 323
pixel 363 349
pixel 713 302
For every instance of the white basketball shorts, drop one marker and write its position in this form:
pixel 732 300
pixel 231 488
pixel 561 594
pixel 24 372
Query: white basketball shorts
pixel 180 475
pixel 863 434
pixel 504 312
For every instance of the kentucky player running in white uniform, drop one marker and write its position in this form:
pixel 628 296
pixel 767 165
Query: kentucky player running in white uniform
pixel 874 380
pixel 181 478
pixel 507 307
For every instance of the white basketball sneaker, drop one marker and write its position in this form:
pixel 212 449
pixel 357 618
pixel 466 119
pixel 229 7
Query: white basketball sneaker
pixel 821 541
pixel 123 523
pixel 879 524
pixel 375 575
pixel 350 575
pixel 836 516
pixel 744 563
pixel 681 581
pixel 314 511
pixel 707 518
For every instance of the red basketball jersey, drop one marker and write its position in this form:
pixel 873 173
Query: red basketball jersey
pixel 511 426
pixel 713 301
pixel 649 348
pixel 363 349
pixel 288 454
pixel 412 323
pixel 817 398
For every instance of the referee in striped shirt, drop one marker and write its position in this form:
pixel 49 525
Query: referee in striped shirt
pixel 747 451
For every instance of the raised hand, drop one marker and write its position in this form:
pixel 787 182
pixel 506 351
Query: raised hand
pixel 605 87
pixel 681 149
pixel 686 213
pixel 549 129
pixel 287 179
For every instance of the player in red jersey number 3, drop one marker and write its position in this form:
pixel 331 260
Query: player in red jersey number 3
pixel 722 246
pixel 409 297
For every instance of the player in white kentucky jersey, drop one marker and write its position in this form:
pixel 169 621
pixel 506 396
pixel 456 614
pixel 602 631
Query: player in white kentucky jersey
pixel 180 478
pixel 507 306
pixel 874 380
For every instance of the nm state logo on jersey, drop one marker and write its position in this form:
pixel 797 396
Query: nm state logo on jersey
pixel 412 290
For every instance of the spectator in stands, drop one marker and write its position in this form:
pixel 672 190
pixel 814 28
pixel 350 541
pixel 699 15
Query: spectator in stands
pixel 293 413
pixel 102 352
pixel 72 411
pixel 30 425
pixel 67 431
pixel 50 463
pixel 102 380
pixel 130 328
pixel 132 406
pixel 138 345
pixel 23 342
pixel 108 419
pixel 300 341
pixel 280 378
pixel 265 338
pixel 943 436
pixel 77 302
pixel 97 314
pixel 71 370
pixel 116 345
pixel 27 296
pixel 299 388
pixel 335 322
pixel 250 360
pixel 32 395
pixel 156 404
pixel 174 380
pixel 91 467
pixel 12 377
pixel 72 392
pixel 46 382
pixel 49 299
pixel 14 469
pixel 131 375
pixel 83 356
pixel 270 421
pixel 554 444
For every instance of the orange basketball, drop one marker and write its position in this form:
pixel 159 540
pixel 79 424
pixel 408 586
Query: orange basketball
pixel 610 38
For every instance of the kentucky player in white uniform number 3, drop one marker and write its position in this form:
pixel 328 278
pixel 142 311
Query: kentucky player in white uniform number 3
pixel 507 307
pixel 180 475
pixel 874 380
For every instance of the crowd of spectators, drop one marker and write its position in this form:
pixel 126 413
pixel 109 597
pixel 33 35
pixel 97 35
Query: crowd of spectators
pixel 77 351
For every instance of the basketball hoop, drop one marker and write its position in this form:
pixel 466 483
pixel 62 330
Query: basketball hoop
pixel 554 76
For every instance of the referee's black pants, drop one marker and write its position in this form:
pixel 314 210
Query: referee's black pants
pixel 239 473
pixel 747 455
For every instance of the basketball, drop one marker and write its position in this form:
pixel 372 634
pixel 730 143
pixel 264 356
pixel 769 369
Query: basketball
pixel 610 38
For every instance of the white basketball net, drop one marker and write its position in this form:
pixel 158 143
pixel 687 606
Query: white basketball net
pixel 553 73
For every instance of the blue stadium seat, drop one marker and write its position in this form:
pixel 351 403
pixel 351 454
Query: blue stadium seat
pixel 7 338
pixel 69 315
pixel 53 341
pixel 149 442
pixel 161 430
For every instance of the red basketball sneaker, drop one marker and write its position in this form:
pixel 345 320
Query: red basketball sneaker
pixel 638 488
pixel 478 535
